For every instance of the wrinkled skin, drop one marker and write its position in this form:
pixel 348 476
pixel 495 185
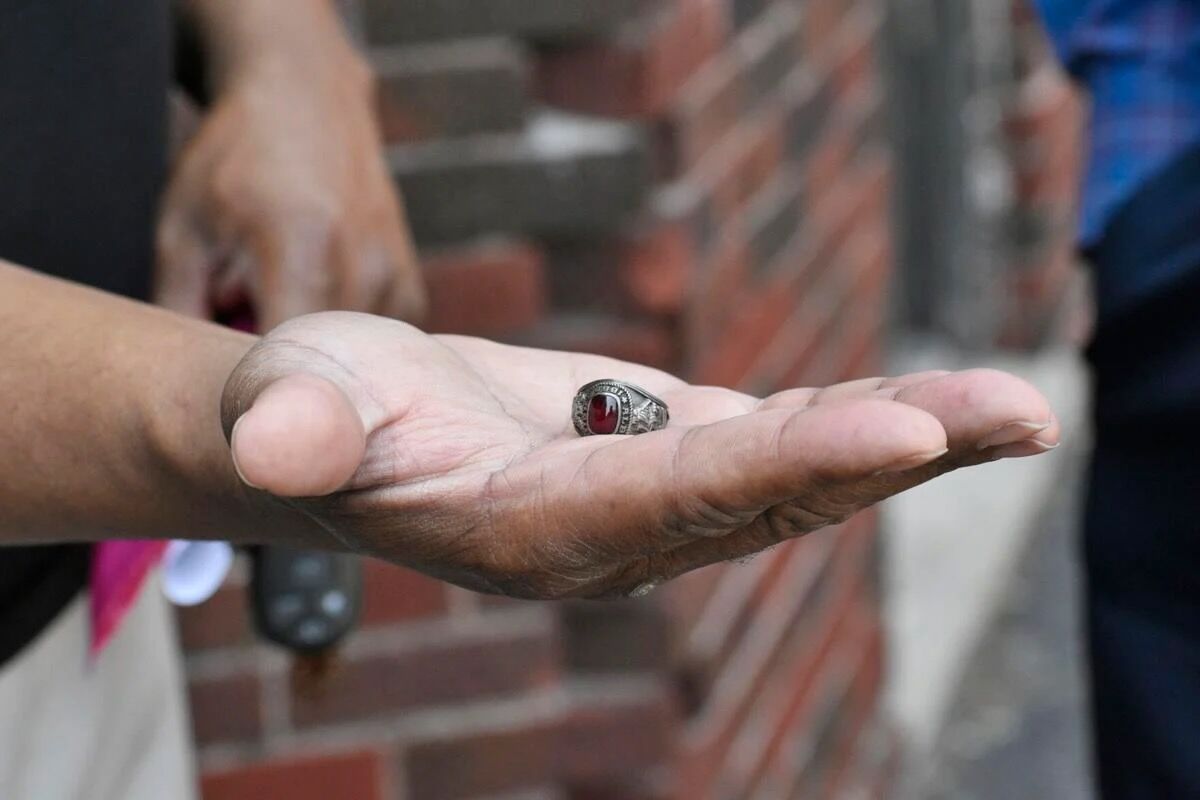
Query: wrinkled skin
pixel 456 456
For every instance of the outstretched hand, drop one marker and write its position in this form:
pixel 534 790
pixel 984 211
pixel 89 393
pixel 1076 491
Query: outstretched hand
pixel 457 456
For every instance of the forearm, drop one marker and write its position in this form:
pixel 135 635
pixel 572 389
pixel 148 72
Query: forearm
pixel 306 36
pixel 112 423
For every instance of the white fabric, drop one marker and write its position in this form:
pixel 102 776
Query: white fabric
pixel 113 730
pixel 193 571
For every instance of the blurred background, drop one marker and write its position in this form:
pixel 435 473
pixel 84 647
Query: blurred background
pixel 753 193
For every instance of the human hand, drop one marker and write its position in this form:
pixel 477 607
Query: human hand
pixel 283 200
pixel 457 457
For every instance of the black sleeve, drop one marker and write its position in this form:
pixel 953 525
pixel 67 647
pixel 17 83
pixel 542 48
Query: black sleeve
pixel 191 67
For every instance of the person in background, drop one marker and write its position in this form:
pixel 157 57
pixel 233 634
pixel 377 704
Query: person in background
pixel 339 430
pixel 1139 61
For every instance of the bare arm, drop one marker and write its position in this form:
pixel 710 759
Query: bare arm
pixel 111 425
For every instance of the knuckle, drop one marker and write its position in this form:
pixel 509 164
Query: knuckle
pixel 693 516
pixel 228 187
pixel 636 578
pixel 800 517
pixel 788 521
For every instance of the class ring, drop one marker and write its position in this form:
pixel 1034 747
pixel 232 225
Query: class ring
pixel 610 407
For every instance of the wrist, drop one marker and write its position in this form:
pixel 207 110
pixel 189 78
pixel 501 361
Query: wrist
pixel 293 41
pixel 185 443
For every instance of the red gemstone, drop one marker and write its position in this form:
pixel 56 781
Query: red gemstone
pixel 604 412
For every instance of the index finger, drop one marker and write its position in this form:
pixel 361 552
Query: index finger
pixel 654 492
pixel 293 272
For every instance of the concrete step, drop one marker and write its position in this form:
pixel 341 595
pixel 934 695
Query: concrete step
pixel 953 546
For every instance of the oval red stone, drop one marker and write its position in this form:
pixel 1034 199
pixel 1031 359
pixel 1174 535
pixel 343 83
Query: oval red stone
pixel 604 413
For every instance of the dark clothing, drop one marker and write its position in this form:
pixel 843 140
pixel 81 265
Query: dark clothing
pixel 83 89
pixel 1139 61
pixel 1147 342
pixel 1141 538
pixel 1142 555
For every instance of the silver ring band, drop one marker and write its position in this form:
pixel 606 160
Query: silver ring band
pixel 611 407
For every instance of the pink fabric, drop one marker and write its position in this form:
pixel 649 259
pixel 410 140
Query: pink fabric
pixel 119 569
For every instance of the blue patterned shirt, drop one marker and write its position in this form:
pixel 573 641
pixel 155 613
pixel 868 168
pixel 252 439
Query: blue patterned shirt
pixel 1140 62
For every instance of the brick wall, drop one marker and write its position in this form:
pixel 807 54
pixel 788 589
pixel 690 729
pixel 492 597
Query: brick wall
pixel 989 153
pixel 701 185
pixel 1043 126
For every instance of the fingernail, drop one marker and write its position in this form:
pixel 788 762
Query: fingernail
pixel 232 440
pixel 912 462
pixel 644 589
pixel 1013 432
pixel 1031 447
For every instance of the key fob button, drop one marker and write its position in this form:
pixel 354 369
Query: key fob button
pixel 312 631
pixel 335 603
pixel 286 609
pixel 310 569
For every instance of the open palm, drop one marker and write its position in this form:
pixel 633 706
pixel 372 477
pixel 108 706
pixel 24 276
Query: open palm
pixel 457 456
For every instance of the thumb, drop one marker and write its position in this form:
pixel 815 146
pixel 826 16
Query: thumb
pixel 301 437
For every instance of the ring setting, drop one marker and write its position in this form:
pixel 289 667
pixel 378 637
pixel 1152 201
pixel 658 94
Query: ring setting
pixel 611 407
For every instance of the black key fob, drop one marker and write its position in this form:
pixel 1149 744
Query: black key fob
pixel 305 600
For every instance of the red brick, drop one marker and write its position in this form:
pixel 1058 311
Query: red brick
pixel 656 269
pixel 858 202
pixel 489 762
pixel 774 224
pixel 612 638
pixel 646 272
pixel 486 289
pixel 832 736
pixel 855 322
pixel 745 79
pixel 752 326
pixel 394 594
pixel 822 25
pixel 830 160
pixel 796 613
pixel 821 284
pixel 862 697
pixel 361 776
pixel 720 288
pixel 751 158
pixel 611 734
pixel 640 70
pixel 450 90
pixel 854 66
pixel 742 592
pixel 221 621
pixel 707 109
pixel 812 677
pixel 685 599
pixel 769 51
pixel 226 709
pixel 452 669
